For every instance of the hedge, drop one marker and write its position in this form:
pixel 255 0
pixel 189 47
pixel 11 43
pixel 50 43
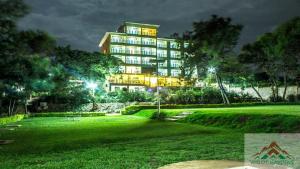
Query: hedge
pixel 247 122
pixel 136 108
pixel 68 114
pixel 11 119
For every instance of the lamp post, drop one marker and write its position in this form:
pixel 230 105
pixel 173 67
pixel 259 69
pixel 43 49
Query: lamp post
pixel 92 86
pixel 156 61
pixel 211 70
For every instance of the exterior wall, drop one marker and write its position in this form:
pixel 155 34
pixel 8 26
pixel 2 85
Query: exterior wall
pixel 105 47
pixel 265 92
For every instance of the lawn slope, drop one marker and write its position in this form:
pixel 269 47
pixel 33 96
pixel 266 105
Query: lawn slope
pixel 275 118
pixel 114 142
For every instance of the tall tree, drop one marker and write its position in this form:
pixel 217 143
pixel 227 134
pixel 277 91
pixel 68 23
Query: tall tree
pixel 277 55
pixel 212 42
pixel 288 34
pixel 23 69
pixel 85 66
pixel 250 70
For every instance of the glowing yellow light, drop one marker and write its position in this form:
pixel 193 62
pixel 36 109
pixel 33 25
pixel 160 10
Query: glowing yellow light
pixel 153 80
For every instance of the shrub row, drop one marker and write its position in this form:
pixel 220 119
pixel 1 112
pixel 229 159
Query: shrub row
pixel 11 119
pixel 68 114
pixel 247 122
pixel 136 108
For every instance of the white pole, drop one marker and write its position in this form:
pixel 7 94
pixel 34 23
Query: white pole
pixel 158 96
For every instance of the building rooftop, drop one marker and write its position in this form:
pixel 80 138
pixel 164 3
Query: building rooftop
pixel 141 24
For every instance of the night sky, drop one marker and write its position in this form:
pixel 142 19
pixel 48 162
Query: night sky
pixel 82 23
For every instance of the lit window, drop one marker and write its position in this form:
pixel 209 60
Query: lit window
pixel 148 51
pixel 132 60
pixel 133 69
pixel 117 49
pixel 148 32
pixel 133 40
pixel 175 72
pixel 161 53
pixel 148 41
pixel 174 45
pixel 186 45
pixel 175 54
pixel 161 44
pixel 162 64
pixel 175 63
pixel 163 72
pixel 146 61
pixel 133 50
pixel 133 30
pixel 117 38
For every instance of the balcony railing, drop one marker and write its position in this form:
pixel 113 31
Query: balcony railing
pixel 142 81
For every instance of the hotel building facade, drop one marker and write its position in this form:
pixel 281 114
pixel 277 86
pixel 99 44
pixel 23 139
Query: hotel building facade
pixel 147 60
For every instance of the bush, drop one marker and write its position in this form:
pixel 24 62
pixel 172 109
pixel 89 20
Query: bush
pixel 133 109
pixel 126 96
pixel 276 99
pixel 11 119
pixel 161 116
pixel 291 98
pixel 207 95
pixel 67 100
pixel 68 114
pixel 298 97
pixel 211 96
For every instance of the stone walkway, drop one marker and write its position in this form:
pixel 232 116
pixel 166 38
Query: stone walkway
pixel 215 164
pixel 203 164
pixel 179 116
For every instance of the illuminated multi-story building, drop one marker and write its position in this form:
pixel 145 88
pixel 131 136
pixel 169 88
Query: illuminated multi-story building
pixel 143 55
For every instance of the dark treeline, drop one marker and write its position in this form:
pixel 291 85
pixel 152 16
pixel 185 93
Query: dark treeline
pixel 272 60
pixel 32 65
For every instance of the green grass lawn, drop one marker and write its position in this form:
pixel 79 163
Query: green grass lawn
pixel 275 118
pixel 114 142
pixel 132 141
pixel 273 109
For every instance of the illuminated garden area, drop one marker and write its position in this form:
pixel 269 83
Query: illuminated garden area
pixel 142 99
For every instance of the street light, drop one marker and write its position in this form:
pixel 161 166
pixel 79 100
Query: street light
pixel 211 69
pixel 156 61
pixel 92 86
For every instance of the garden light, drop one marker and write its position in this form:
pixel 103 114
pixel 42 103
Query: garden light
pixel 91 85
pixel 211 70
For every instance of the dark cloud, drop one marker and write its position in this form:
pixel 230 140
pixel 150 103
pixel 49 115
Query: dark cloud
pixel 82 23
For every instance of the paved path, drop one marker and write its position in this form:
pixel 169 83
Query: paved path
pixel 214 164
pixel 179 116
pixel 203 164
